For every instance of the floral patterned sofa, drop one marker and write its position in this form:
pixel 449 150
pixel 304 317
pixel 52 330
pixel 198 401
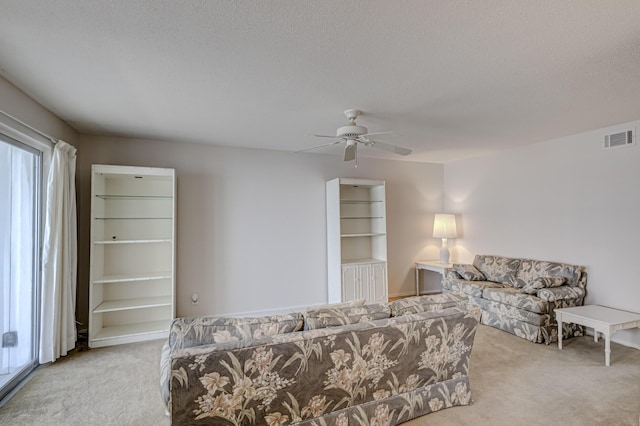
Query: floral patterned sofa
pixel 520 295
pixel 335 365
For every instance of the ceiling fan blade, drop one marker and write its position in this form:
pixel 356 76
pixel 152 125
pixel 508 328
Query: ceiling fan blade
pixel 350 152
pixel 377 133
pixel 318 146
pixel 388 147
pixel 323 136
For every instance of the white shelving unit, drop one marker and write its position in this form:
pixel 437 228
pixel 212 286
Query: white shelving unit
pixel 356 240
pixel 132 271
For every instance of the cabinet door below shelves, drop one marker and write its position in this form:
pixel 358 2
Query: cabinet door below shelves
pixel 373 282
pixel 365 278
pixel 378 288
pixel 350 283
pixel 364 281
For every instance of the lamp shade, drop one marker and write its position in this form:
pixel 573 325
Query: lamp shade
pixel 444 226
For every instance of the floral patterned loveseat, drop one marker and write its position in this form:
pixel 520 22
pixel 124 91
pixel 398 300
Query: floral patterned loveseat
pixel 348 367
pixel 520 295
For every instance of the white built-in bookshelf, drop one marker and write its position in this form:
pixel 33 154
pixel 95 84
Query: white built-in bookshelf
pixel 132 270
pixel 356 240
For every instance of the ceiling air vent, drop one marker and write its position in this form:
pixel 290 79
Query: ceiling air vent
pixel 619 139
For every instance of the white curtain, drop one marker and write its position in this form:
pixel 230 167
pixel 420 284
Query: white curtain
pixel 59 257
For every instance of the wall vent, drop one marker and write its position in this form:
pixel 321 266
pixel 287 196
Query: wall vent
pixel 615 140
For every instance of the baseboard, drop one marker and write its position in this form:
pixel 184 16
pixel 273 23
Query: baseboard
pixel 589 332
pixel 394 295
pixel 290 309
pixel 19 386
pixel 627 344
pixel 268 312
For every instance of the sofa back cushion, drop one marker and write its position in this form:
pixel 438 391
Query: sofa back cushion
pixel 188 332
pixel 349 304
pixel 542 282
pixel 469 272
pixel 331 317
pixel 430 303
pixel 531 269
pixel 497 269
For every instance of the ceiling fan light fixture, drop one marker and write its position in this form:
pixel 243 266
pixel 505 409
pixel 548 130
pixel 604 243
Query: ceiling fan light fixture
pixel 352 134
pixel 352 131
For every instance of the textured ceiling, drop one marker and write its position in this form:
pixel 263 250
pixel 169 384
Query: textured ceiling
pixel 451 79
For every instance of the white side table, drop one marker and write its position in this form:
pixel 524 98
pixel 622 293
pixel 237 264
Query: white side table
pixel 603 320
pixel 430 265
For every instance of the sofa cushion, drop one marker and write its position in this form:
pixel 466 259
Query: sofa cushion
pixel 542 282
pixel 349 304
pixel 412 305
pixel 451 273
pixel 510 311
pixel 531 269
pixel 398 322
pixel 331 317
pixel 513 297
pixel 563 295
pixel 187 332
pixel 531 332
pixel 470 288
pixel 469 272
pixel 497 269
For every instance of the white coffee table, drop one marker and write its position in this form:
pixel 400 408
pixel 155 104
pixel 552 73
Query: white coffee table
pixel 602 319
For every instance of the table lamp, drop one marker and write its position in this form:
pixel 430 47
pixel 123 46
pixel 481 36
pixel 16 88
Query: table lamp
pixel 444 226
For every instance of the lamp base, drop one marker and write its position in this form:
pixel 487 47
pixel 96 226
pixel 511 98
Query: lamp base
pixel 444 252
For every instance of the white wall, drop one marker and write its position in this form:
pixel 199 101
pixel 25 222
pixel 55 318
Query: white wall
pixel 251 224
pixel 566 200
pixel 251 231
pixel 17 104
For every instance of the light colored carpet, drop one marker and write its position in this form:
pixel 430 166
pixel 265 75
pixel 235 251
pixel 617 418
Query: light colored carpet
pixel 116 385
pixel 513 382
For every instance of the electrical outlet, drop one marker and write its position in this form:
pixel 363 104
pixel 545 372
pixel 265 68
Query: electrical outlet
pixel 10 339
pixel 194 298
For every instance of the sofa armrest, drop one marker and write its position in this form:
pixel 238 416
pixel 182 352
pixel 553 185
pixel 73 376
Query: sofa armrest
pixel 165 375
pixel 452 274
pixel 561 293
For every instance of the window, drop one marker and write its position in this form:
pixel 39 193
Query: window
pixel 20 237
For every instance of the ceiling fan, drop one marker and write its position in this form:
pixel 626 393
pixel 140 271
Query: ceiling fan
pixel 352 135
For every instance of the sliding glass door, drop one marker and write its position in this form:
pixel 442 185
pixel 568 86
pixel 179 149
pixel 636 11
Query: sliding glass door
pixel 20 201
